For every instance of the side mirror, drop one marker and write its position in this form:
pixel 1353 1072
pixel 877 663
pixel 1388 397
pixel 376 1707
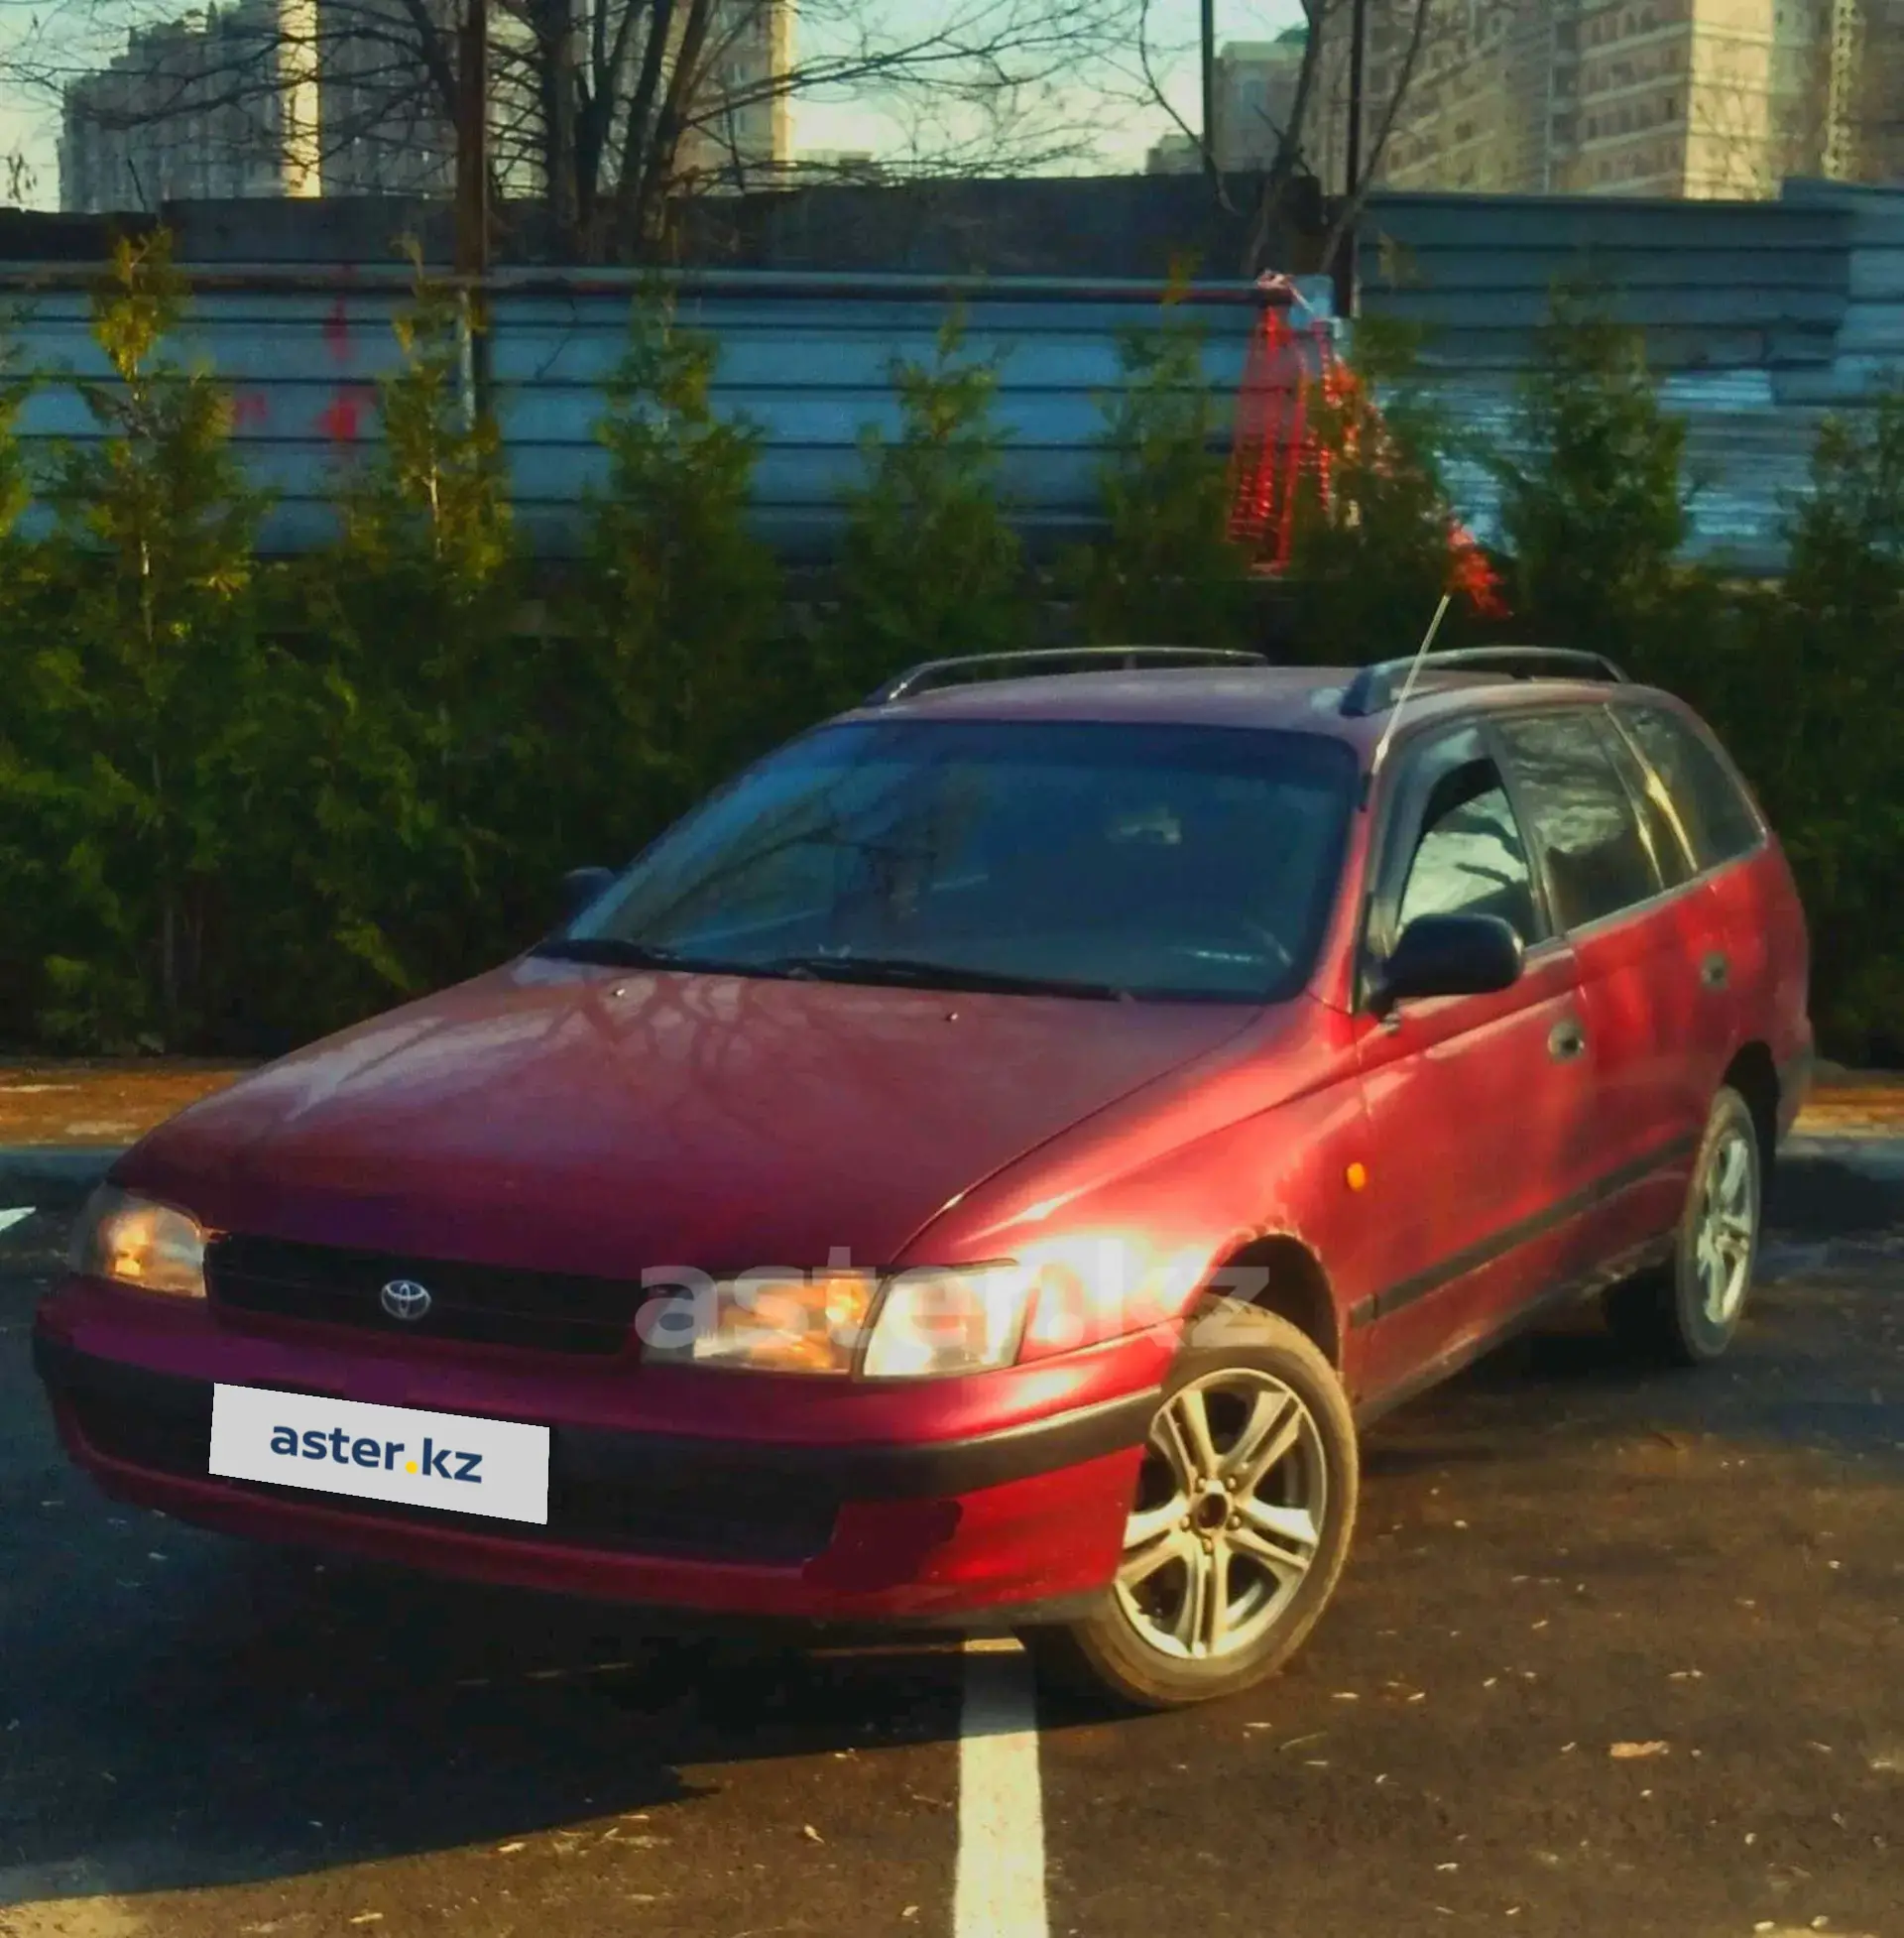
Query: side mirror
pixel 582 886
pixel 1451 955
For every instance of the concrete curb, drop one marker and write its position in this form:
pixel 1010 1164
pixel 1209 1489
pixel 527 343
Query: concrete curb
pixel 1824 1185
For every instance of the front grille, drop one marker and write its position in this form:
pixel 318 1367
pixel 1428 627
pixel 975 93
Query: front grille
pixel 165 1427
pixel 487 1305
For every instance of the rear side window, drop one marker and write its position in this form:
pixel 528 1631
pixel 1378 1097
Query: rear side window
pixel 1584 824
pixel 1659 818
pixel 1719 821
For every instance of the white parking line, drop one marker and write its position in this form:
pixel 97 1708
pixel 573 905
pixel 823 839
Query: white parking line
pixel 998 1892
pixel 8 1219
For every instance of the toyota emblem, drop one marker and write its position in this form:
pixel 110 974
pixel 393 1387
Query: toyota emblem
pixel 404 1298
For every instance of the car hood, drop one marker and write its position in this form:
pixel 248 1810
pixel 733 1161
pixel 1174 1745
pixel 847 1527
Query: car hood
pixel 565 1119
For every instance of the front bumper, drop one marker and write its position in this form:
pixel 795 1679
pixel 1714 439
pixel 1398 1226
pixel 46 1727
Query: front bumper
pixel 1019 1521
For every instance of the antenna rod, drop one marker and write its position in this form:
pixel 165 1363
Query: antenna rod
pixel 1408 684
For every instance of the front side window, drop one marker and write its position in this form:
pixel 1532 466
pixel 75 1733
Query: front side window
pixel 1596 858
pixel 1719 821
pixel 1073 857
pixel 1470 859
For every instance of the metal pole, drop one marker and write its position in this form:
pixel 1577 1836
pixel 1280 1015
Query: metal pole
pixel 1357 41
pixel 1347 279
pixel 472 140
pixel 472 196
pixel 1210 85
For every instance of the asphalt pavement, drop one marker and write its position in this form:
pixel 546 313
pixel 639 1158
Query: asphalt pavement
pixel 1620 1653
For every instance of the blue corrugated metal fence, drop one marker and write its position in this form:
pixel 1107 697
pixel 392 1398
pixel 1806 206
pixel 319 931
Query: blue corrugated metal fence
pixel 806 358
pixel 1759 317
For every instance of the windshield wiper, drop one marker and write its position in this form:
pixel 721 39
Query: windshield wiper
pixel 908 972
pixel 904 972
pixel 611 953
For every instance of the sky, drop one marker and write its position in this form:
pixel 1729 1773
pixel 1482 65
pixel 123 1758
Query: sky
pixel 1126 128
pixel 1123 127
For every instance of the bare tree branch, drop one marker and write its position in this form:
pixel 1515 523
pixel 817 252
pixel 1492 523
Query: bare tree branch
pixel 1348 211
pixel 1198 138
pixel 607 109
pixel 1291 140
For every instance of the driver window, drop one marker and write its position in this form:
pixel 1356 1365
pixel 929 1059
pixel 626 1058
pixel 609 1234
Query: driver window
pixel 1470 859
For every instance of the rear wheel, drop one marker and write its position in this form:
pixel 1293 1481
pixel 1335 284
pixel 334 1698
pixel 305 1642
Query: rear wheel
pixel 1240 1523
pixel 1688 1311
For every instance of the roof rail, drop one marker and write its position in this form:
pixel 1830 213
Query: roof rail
pixel 935 674
pixel 1373 688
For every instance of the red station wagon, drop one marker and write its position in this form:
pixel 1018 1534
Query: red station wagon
pixel 983 1166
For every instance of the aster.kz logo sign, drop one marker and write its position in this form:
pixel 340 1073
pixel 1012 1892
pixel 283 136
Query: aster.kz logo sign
pixel 493 1468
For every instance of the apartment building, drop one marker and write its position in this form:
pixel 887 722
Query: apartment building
pixel 1703 99
pixel 1256 88
pixel 222 103
pixel 1691 98
pixel 384 129
pixel 1865 91
pixel 1473 93
pixel 330 97
pixel 263 98
pixel 742 135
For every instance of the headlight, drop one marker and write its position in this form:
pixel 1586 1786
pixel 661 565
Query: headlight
pixel 764 1321
pixel 939 1322
pixel 134 1240
pixel 913 1325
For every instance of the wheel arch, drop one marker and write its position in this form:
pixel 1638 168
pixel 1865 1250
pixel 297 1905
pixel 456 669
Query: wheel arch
pixel 1754 1075
pixel 1278 1273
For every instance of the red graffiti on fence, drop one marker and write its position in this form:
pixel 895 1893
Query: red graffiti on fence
pixel 342 417
pixel 337 331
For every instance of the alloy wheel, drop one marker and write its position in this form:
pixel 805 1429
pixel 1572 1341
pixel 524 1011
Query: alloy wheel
pixel 1229 1515
pixel 1728 1227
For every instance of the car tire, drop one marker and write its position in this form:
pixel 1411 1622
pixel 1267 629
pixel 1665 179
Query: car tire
pixel 1688 1312
pixel 1258 1508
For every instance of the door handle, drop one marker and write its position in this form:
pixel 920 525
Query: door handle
pixel 1566 1040
pixel 1715 971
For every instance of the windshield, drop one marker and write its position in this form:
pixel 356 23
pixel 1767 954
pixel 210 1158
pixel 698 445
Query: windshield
pixel 1076 857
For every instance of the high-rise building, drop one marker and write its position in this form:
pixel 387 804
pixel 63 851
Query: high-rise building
pixel 1471 108
pixel 1255 86
pixel 1691 98
pixel 742 133
pixel 217 104
pixel 333 97
pixel 1640 97
pixel 1865 67
pixel 738 123
pixel 263 98
pixel 1255 99
pixel 384 128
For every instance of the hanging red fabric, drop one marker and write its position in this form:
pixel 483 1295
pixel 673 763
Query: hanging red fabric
pixel 1286 376
pixel 1296 388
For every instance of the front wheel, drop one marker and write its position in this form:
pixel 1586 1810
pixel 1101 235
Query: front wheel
pixel 1240 1523
pixel 1688 1311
